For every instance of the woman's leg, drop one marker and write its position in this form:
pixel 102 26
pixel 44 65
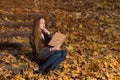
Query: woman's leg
pixel 57 61
pixel 50 60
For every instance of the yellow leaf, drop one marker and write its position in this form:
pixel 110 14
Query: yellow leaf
pixel 107 74
pixel 80 25
pixel 72 36
pixel 69 47
pixel 94 45
pixel 1 11
pixel 95 53
pixel 78 15
pixel 19 20
pixel 18 77
pixel 88 38
pixel 75 61
pixel 65 77
pixel 66 66
pixel 6 19
pixel 60 79
pixel 75 75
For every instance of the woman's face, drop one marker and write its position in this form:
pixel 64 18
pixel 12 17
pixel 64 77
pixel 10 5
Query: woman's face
pixel 42 23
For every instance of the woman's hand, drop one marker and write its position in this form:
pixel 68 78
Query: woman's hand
pixel 46 31
pixel 55 48
pixel 42 26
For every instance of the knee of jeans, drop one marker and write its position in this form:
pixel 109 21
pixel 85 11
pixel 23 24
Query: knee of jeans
pixel 58 53
pixel 64 53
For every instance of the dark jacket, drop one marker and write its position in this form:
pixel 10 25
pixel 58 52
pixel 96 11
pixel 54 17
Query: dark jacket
pixel 43 54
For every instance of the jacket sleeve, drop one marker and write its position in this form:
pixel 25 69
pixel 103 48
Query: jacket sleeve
pixel 31 40
pixel 47 37
pixel 31 43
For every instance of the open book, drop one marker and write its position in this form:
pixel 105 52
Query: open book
pixel 57 39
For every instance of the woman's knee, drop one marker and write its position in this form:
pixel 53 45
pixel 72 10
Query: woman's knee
pixel 58 53
pixel 64 53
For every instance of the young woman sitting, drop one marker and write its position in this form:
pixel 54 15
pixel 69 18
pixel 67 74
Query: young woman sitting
pixel 46 56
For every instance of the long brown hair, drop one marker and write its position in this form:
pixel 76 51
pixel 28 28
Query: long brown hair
pixel 36 33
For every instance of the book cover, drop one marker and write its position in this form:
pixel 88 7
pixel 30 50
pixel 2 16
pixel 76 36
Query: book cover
pixel 57 39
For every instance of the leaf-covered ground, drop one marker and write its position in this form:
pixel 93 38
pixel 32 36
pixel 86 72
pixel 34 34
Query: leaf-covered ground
pixel 93 43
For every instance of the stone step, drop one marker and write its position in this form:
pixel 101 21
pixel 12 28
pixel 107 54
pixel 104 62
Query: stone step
pixel 13 24
pixel 17 20
pixel 10 34
pixel 26 16
pixel 14 45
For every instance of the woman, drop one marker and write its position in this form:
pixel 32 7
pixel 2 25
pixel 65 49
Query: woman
pixel 47 57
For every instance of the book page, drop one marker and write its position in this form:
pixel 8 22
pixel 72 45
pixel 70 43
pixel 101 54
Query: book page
pixel 57 39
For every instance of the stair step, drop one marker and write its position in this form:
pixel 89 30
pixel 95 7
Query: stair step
pixel 13 24
pixel 26 16
pixel 14 45
pixel 9 34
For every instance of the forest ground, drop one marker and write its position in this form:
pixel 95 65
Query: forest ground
pixel 93 43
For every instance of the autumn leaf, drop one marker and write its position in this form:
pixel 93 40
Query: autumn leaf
pixel 65 77
pixel 80 25
pixel 92 46
pixel 6 19
pixel 69 47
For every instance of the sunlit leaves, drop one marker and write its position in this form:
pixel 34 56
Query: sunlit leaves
pixel 69 47
pixel 6 19
pixel 80 25
pixel 92 44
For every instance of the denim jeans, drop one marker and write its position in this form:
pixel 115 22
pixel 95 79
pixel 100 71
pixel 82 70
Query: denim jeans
pixel 53 61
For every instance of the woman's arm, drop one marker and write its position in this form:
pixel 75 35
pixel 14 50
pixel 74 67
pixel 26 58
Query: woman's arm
pixel 46 31
pixel 55 48
pixel 31 43
pixel 31 40
pixel 47 36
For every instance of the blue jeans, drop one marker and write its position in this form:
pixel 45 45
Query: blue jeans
pixel 53 61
